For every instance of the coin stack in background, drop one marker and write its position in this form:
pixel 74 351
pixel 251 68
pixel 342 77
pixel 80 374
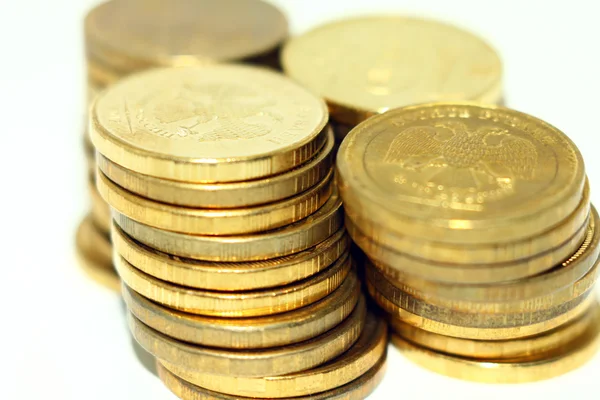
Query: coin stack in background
pixel 228 235
pixel 368 65
pixel 126 36
pixel 482 244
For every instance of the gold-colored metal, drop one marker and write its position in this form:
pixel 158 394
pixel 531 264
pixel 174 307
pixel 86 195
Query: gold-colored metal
pixel 100 75
pixel 215 221
pixel 223 276
pixel 517 370
pixel 137 34
pixel 368 65
pixel 100 211
pixel 277 243
pixel 496 328
pixel 94 254
pixel 533 309
pixel 529 346
pixel 400 267
pixel 93 89
pixel 252 363
pixel 224 195
pixel 367 353
pixel 560 284
pixel 358 389
pixel 530 251
pixel 460 173
pixel 235 304
pixel 221 123
pixel 249 333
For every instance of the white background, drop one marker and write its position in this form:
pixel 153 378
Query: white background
pixel 62 337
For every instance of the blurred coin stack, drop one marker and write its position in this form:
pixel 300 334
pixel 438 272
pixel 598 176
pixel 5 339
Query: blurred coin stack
pixel 126 36
pixel 482 243
pixel 368 65
pixel 228 235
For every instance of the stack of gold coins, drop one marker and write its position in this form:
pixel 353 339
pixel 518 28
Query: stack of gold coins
pixel 126 36
pixel 482 243
pixel 368 65
pixel 228 235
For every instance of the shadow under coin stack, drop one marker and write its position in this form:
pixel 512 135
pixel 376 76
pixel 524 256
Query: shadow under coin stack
pixel 228 235
pixel 368 65
pixel 126 36
pixel 482 244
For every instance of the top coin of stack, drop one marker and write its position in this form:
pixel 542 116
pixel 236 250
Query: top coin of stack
pixel 477 224
pixel 368 65
pixel 228 233
pixel 126 36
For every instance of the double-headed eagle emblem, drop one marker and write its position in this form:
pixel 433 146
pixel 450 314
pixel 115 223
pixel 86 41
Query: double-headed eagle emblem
pixel 215 112
pixel 467 158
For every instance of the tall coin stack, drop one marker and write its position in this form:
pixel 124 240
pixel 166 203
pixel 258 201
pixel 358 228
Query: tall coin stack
pixel 126 36
pixel 367 65
pixel 482 244
pixel 228 235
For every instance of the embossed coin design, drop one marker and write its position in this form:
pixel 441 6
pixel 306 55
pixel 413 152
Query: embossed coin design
pixel 249 333
pixel 236 304
pixel 368 65
pixel 461 173
pixel 368 352
pixel 224 195
pixel 267 245
pixel 238 276
pixel 208 124
pixel 252 363
pixel 136 34
pixel 518 370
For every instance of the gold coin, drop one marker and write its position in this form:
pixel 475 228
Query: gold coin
pixel 460 173
pixel 252 363
pixel 230 276
pixel 139 34
pixel 249 333
pixel 393 264
pixel 367 353
pixel 267 245
pixel 519 370
pixel 496 331
pixel 100 210
pixel 92 91
pixel 206 221
pixel 551 288
pixel 235 304
pixel 529 346
pixel 484 312
pixel 221 123
pixel 481 256
pixel 100 75
pixel 94 254
pixel 358 389
pixel 224 195
pixel 368 65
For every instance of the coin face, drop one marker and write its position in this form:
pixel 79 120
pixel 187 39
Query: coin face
pixel 179 32
pixel 371 64
pixel 202 118
pixel 463 168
